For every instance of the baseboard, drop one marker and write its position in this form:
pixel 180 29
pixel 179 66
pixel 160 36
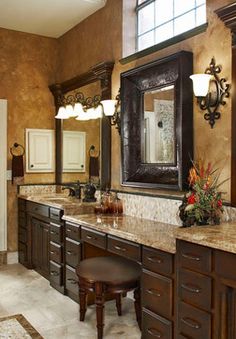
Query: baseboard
pixel 3 257
pixel 12 258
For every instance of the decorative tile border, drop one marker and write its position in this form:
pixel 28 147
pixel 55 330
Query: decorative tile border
pixel 17 326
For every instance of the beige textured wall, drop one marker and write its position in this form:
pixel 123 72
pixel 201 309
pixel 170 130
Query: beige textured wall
pixel 28 66
pixel 99 38
pixel 30 63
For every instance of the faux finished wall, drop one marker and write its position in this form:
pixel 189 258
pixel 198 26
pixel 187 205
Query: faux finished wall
pixel 30 63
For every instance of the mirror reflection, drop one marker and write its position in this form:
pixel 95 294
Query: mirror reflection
pixel 81 144
pixel 159 126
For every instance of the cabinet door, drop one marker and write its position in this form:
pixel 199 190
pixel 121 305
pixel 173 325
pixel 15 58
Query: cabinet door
pixel 74 151
pixel 40 150
pixel 36 242
pixel 45 249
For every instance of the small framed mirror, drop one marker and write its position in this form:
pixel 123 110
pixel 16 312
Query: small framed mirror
pixel 157 123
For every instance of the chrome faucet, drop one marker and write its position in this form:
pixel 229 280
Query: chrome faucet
pixel 74 189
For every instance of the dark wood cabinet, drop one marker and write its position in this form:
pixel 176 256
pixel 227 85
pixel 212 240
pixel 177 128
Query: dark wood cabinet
pixel 157 286
pixel 73 255
pixel 40 246
pixel 23 236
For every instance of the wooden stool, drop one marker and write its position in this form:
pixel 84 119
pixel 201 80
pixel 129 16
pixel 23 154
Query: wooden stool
pixel 113 275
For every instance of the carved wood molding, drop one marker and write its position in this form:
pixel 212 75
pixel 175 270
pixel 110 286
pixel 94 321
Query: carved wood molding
pixel 228 15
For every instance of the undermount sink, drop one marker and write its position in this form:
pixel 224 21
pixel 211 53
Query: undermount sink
pixel 61 199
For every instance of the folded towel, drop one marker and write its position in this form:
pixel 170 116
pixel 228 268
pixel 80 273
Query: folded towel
pixel 17 166
pixel 93 166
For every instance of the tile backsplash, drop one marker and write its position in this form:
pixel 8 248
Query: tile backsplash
pixel 161 209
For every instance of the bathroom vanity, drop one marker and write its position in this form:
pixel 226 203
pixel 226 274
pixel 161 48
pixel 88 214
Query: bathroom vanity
pixel 188 278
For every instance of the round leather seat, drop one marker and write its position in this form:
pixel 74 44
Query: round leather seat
pixel 110 270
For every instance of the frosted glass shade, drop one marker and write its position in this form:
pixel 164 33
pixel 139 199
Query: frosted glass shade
pixel 109 107
pixel 200 84
pixel 78 109
pixel 62 113
pixel 70 111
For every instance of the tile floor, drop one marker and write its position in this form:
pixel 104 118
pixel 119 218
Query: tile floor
pixel 54 315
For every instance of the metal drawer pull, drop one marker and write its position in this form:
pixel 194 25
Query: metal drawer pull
pixel 54 273
pixel 89 237
pixel 155 260
pixel 154 292
pixel 191 323
pixel 191 256
pixel 69 252
pixel 54 215
pixel 69 230
pixel 53 232
pixel 191 288
pixel 154 332
pixel 72 281
pixel 52 252
pixel 120 248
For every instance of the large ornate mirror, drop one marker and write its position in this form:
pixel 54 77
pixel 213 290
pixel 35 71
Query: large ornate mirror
pixel 156 123
pixel 95 134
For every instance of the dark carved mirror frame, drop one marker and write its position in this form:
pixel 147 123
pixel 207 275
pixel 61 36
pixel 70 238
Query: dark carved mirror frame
pixel 172 70
pixel 101 72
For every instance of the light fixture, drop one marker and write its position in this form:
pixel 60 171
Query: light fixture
pixel 210 91
pixel 111 109
pixel 82 108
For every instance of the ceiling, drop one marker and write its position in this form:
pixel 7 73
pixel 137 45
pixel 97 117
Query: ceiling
pixel 51 18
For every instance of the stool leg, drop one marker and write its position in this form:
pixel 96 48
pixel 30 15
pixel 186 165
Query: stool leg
pixel 82 303
pixel 137 305
pixel 99 301
pixel 118 304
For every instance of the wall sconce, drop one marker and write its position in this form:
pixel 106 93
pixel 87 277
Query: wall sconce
pixel 111 109
pixel 81 108
pixel 210 91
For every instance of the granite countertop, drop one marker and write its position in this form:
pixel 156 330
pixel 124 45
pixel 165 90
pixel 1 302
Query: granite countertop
pixel 70 205
pixel 143 231
pixel 222 237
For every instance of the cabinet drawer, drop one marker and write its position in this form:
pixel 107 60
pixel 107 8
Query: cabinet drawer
pixel 73 252
pixel 55 214
pixel 157 293
pixel 22 235
pixel 72 231
pixel 35 208
pixel 195 288
pixel 224 261
pixel 124 248
pixel 194 257
pixel 22 219
pixel 154 326
pixel 55 233
pixel 72 280
pixel 55 252
pixel 56 273
pixel 21 204
pixel 157 261
pixel 93 237
pixel 193 323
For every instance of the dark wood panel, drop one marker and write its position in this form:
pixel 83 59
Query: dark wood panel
pixel 194 257
pixel 93 237
pixel 22 250
pixel 157 293
pixel 55 252
pixel 55 273
pixel 158 261
pixel 22 235
pixel 72 231
pixel 35 208
pixel 195 288
pixel 193 322
pixel 154 326
pixel 55 214
pixel 73 251
pixel 124 248
pixel 55 233
pixel 224 264
pixel 71 281
pixel 21 204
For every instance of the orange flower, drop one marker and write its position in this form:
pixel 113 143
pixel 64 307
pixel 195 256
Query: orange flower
pixel 193 177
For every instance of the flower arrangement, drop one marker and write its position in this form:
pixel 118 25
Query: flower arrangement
pixel 203 203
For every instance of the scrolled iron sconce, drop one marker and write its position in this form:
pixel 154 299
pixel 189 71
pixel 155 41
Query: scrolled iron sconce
pixel 210 91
